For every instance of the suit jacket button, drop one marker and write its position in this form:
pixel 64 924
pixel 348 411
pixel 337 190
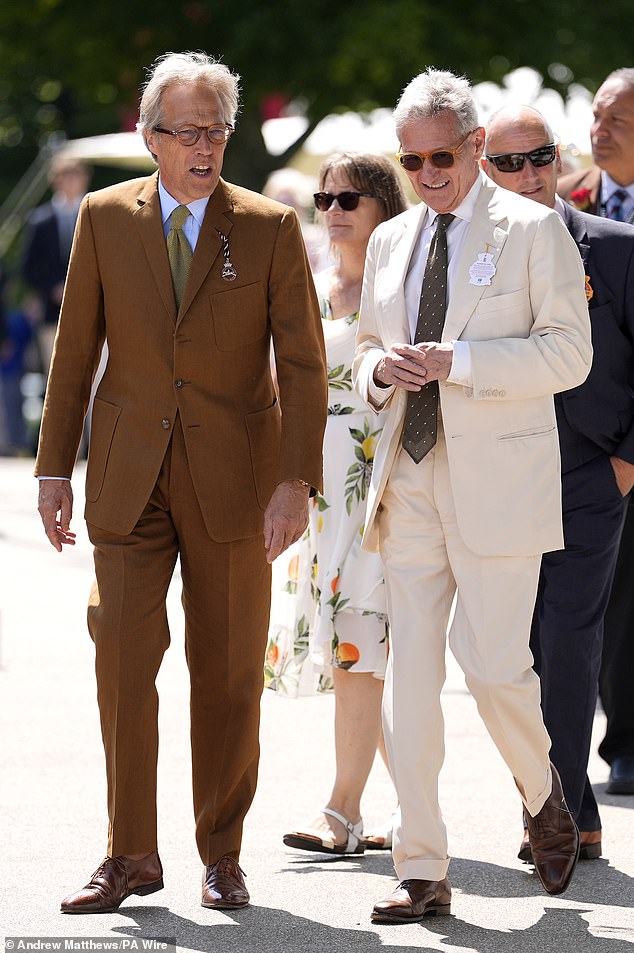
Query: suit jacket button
pixel 179 383
pixel 165 424
pixel 495 393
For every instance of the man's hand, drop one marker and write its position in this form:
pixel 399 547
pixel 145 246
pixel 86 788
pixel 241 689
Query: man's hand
pixel 623 473
pixel 56 498
pixel 286 517
pixel 411 366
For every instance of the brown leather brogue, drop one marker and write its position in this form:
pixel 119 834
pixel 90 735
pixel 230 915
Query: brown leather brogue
pixel 414 899
pixel 114 880
pixel 589 846
pixel 223 885
pixel 554 840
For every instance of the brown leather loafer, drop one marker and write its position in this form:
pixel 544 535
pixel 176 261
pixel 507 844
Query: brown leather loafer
pixel 114 880
pixel 554 840
pixel 414 899
pixel 589 846
pixel 223 885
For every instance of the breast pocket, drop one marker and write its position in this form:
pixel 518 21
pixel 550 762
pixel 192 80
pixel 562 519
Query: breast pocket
pixel 240 316
pixel 496 306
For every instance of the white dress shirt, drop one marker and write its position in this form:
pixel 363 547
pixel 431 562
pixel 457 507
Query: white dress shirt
pixel 461 372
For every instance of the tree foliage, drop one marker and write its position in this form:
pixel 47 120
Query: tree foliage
pixel 69 65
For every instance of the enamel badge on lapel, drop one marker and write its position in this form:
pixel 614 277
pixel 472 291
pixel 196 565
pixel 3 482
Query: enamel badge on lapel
pixel 482 270
pixel 228 271
pixel 589 289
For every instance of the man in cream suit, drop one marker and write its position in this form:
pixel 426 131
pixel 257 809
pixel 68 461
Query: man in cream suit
pixel 192 456
pixel 466 491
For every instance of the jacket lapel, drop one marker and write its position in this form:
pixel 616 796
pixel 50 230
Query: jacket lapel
pixel 575 224
pixel 487 232
pixel 217 220
pixel 149 222
pixel 401 251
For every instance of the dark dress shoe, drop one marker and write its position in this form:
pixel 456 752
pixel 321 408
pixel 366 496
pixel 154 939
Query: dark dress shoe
pixel 621 779
pixel 589 846
pixel 116 879
pixel 414 899
pixel 223 885
pixel 554 840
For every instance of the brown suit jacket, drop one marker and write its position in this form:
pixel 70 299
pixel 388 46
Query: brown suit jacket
pixel 589 179
pixel 209 363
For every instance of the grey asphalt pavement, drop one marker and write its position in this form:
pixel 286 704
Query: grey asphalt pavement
pixel 53 819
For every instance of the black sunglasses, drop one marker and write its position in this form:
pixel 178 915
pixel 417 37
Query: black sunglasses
pixel 514 161
pixel 348 201
pixel 441 158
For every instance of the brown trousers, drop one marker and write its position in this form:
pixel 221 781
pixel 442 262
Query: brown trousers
pixel 226 600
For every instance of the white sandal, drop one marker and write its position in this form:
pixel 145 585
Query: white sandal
pixel 318 842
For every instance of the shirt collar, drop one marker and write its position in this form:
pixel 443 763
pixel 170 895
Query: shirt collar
pixel 609 187
pixel 559 205
pixel 464 211
pixel 169 203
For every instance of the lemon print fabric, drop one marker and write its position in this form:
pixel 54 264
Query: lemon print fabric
pixel 328 601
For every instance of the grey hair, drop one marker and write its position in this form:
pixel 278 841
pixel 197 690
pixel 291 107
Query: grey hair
pixel 184 69
pixel 434 92
pixel 625 75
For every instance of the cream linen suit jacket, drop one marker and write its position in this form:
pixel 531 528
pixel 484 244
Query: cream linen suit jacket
pixel 529 337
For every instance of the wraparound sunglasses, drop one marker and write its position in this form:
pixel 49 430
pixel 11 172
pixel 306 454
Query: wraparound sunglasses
pixel 514 161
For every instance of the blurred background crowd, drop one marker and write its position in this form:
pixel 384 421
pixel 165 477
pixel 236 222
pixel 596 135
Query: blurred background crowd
pixel 315 80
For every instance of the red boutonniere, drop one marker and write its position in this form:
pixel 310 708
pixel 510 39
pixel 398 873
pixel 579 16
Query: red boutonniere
pixel 581 199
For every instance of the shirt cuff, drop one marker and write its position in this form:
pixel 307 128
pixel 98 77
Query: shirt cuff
pixel 379 395
pixel 53 478
pixel 461 368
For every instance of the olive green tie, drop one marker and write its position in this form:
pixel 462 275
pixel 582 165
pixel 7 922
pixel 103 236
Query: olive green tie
pixel 179 250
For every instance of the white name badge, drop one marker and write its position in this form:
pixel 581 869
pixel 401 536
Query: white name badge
pixel 482 270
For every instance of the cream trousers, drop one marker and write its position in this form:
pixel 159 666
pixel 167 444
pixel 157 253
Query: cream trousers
pixel 426 563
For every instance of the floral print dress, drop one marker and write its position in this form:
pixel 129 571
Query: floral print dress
pixel 328 604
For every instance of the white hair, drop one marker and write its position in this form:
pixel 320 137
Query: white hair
pixel 434 92
pixel 184 69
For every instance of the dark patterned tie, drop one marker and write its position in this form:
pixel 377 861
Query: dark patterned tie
pixel 421 416
pixel 615 208
pixel 179 251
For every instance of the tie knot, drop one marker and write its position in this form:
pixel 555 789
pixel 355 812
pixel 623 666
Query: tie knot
pixel 179 216
pixel 620 194
pixel 444 220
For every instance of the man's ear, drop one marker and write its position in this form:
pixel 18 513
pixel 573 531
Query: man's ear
pixel 558 161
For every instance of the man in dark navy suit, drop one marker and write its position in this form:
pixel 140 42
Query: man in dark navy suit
pixel 49 236
pixel 607 189
pixel 596 432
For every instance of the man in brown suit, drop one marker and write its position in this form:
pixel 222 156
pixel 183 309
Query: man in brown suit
pixel 188 279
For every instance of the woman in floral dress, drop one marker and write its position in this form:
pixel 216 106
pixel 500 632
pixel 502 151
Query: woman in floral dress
pixel 336 590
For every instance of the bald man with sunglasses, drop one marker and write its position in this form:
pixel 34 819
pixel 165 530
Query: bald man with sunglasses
pixel 596 434
pixel 473 315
